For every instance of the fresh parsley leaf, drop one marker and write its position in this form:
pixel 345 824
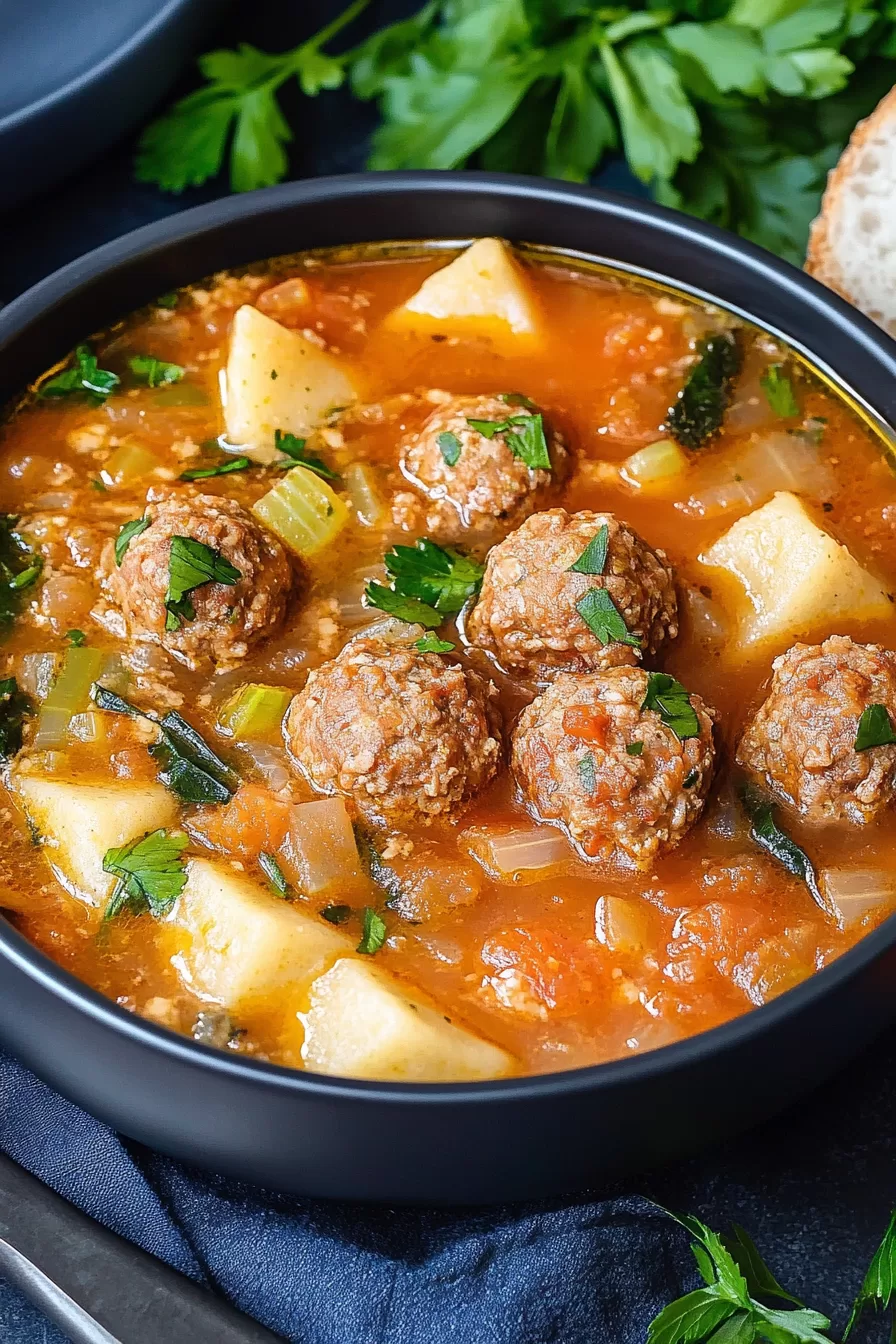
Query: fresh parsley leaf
pixel 603 618
pixel 15 706
pixel 524 436
pixel 668 698
pixel 191 565
pixel 274 873
pixel 127 534
pixel 293 449
pixel 84 375
pixel 337 914
pixel 20 568
pixel 587 773
pixel 373 933
pixel 634 748
pixel 220 469
pixel 76 638
pixel 431 643
pixel 517 399
pixel 766 833
pixel 169 300
pixel 450 447
pixel 779 392
pixel 409 609
pixel 150 873
pixel 428 581
pixel 877 1287
pixel 698 413
pixel 760 1280
pixel 154 372
pixel 875 728
pixel 594 557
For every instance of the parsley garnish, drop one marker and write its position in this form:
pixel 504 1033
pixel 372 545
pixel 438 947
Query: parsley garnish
pixel 220 469
pixel 190 768
pixel 431 643
pixel 150 874
pixel 634 748
pixel 603 618
pixel 690 779
pixel 594 557
pixel 779 392
pixel 428 581
pixel 154 372
pixel 668 698
pixel 524 436
pixel 15 706
pixel 337 914
pixel 127 535
pixel 586 771
pixel 274 873
pixel 76 638
pixel 169 300
pixel 517 399
pixel 449 446
pixel 875 728
pixel 768 834
pixel 373 933
pixel 19 569
pixel 879 1282
pixel 83 376
pixel 191 565
pixel 702 402
pixel 295 455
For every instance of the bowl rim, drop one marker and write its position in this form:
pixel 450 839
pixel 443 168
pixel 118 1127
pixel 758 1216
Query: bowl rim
pixel 154 239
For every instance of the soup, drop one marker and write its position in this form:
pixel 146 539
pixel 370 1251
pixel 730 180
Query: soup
pixel 442 664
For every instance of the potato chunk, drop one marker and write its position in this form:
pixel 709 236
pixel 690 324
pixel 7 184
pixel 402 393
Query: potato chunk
pixel 361 1023
pixel 243 944
pixel 482 292
pixel 78 823
pixel 277 380
pixel 797 578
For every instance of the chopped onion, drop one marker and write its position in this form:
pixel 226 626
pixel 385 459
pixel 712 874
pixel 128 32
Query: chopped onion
pixel 38 673
pixel 350 596
pixel 528 854
pixel 363 492
pixel 855 891
pixel 621 925
pixel 749 477
pixel 89 727
pixel 319 853
pixel 656 465
pixel 707 622
pixel 269 762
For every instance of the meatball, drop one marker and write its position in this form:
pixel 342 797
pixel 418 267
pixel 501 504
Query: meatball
pixel 228 618
pixel 473 487
pixel 589 754
pixel 410 737
pixel 802 738
pixel 531 612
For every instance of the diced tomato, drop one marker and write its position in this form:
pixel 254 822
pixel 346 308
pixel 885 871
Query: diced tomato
pixel 589 723
pixel 537 971
pixel 255 821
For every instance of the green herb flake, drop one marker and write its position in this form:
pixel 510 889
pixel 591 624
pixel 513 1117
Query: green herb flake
pixel 880 1280
pixel 517 399
pixel 875 728
pixel 220 469
pixel 76 638
pixel 99 486
pixel 690 779
pixel 15 706
pixel 765 831
pixel 191 565
pixel 700 409
pixel 20 568
pixel 373 933
pixel 603 618
pixel 449 446
pixel 127 535
pixel 337 914
pixel 428 582
pixel 594 557
pixel 154 372
pixel 274 873
pixel 150 874
pixel 779 392
pixel 295 455
pixel 668 698
pixel 634 748
pixel 587 773
pixel 431 643
pixel 524 436
pixel 84 376
pixel 169 300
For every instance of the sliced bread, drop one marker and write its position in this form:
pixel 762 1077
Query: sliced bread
pixel 852 243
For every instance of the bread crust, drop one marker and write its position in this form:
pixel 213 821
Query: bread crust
pixel 821 259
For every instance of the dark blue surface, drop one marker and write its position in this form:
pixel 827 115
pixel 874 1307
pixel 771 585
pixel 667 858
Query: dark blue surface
pixel 814 1187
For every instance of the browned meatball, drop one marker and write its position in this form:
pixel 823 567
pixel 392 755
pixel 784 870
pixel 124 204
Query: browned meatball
pixel 408 736
pixel 531 612
pixel 588 754
pixel 472 486
pixel 803 737
pixel 228 619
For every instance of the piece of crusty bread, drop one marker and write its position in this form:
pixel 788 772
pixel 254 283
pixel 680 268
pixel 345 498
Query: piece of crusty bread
pixel 852 243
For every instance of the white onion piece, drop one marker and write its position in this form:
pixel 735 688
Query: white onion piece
pixel 749 477
pixel 350 596
pixel 855 891
pixel 319 853
pixel 58 499
pixel 706 619
pixel 38 673
pixel 528 854
pixel 270 762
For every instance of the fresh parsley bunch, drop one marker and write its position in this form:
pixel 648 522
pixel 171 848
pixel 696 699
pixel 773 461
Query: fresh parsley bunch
pixel 732 110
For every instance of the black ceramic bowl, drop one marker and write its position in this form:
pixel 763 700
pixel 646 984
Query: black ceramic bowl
pixel 461 1142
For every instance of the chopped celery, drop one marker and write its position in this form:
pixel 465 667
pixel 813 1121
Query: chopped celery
pixel 254 712
pixel 128 463
pixel 657 462
pixel 70 693
pixel 361 487
pixel 303 510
